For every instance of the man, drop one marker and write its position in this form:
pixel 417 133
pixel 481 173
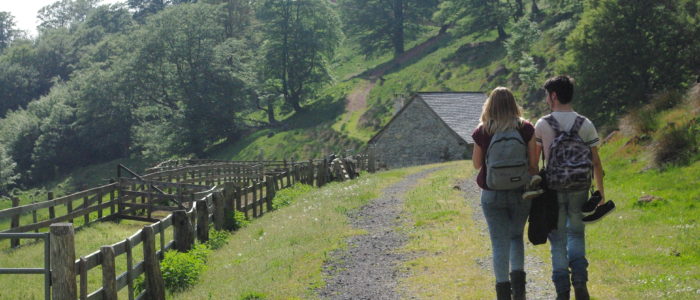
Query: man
pixel 568 241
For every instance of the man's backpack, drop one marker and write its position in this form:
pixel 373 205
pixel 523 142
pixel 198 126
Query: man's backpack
pixel 570 165
pixel 506 161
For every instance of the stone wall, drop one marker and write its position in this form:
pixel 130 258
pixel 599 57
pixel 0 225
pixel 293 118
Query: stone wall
pixel 417 136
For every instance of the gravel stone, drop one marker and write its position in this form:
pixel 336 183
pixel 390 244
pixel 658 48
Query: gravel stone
pixel 368 268
pixel 538 285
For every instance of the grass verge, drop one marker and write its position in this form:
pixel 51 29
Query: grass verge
pixel 280 256
pixel 446 240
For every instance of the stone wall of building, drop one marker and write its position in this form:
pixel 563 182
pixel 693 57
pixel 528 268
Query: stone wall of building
pixel 417 136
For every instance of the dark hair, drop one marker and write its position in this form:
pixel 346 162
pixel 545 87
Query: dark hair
pixel 563 86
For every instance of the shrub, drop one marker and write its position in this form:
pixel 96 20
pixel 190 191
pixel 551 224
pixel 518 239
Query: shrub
pixel 677 144
pixel 286 197
pixel 644 120
pixel 239 220
pixel 217 239
pixel 666 100
pixel 181 270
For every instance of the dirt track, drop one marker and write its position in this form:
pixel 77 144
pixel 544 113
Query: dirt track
pixel 367 269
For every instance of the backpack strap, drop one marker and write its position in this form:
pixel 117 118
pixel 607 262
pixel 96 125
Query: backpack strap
pixel 553 123
pixel 577 124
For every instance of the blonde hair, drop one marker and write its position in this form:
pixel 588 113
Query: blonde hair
pixel 500 111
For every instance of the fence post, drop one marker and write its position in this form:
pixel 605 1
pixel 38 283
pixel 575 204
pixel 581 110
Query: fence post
pixel 62 256
pixel 202 221
pixel 109 273
pixel 182 231
pixel 219 210
pixel 255 200
pixel 155 285
pixel 237 198
pixel 229 205
pixel 371 161
pixel 270 191
pixel 14 243
pixel 52 210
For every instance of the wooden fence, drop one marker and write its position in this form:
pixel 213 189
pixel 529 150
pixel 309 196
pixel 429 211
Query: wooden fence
pixel 195 195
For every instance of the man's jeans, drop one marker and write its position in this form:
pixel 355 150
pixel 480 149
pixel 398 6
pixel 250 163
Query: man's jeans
pixel 506 213
pixel 568 242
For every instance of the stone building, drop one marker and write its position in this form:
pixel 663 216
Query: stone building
pixel 431 127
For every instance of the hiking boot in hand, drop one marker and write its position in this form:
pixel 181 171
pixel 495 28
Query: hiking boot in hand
pixel 534 182
pixel 600 212
pixel 592 202
pixel 532 189
pixel 529 195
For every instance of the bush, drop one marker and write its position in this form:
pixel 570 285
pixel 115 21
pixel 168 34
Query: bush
pixel 666 100
pixel 644 120
pixel 217 239
pixel 677 144
pixel 181 270
pixel 239 220
pixel 285 197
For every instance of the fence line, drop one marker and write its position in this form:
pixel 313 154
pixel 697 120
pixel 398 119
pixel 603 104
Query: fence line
pixel 196 195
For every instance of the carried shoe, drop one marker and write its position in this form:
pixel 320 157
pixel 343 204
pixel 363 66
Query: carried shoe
pixel 600 212
pixel 592 202
pixel 535 182
pixel 529 195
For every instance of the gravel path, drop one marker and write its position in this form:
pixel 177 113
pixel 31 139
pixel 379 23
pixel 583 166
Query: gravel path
pixel 538 283
pixel 368 268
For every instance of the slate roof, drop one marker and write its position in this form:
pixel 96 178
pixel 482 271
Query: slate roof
pixel 459 110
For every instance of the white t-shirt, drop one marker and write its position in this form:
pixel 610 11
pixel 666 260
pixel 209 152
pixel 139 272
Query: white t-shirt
pixel 544 134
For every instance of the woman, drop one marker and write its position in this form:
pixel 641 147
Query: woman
pixel 506 211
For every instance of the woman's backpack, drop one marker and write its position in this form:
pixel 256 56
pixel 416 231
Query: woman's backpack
pixel 570 165
pixel 506 161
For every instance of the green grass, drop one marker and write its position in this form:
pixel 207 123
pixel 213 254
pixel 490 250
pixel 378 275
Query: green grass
pixel 87 240
pixel 646 251
pixel 281 254
pixel 446 240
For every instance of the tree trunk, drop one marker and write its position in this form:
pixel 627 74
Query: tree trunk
pixel 501 33
pixel 535 9
pixel 519 12
pixel 398 32
pixel 270 113
pixel 294 101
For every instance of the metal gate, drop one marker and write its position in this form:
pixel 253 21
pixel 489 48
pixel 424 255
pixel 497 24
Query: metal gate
pixel 46 270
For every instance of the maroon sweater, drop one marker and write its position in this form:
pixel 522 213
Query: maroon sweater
pixel 483 140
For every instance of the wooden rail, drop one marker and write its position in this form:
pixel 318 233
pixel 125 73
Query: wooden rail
pixel 196 196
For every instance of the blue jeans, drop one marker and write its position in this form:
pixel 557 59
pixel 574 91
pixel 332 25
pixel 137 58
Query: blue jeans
pixel 568 242
pixel 506 213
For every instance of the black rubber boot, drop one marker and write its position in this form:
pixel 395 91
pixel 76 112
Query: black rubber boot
pixel 503 291
pixel 517 279
pixel 581 291
pixel 563 295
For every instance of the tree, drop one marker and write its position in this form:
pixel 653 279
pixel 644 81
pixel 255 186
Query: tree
pixel 185 83
pixel 623 51
pixel 300 39
pixel 7 171
pixel 7 29
pixel 379 25
pixel 477 16
pixel 239 16
pixel 18 85
pixel 64 13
